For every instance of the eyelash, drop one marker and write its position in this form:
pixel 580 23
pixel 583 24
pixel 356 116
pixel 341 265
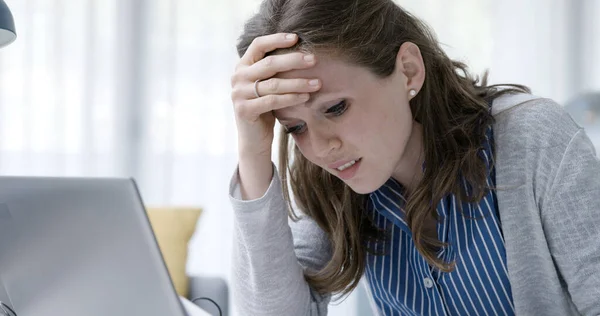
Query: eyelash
pixel 336 110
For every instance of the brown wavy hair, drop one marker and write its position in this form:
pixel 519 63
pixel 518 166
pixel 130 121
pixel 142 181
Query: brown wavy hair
pixel 452 106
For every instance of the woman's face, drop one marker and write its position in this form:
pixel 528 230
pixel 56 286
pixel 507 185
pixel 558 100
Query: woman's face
pixel 356 127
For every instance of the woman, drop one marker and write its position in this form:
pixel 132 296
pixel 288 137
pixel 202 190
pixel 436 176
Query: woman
pixel 449 196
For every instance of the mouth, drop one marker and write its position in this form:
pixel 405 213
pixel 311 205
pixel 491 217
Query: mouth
pixel 348 169
pixel 347 165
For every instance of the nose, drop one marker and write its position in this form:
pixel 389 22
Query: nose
pixel 323 142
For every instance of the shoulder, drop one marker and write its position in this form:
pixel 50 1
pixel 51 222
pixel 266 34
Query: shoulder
pixel 534 140
pixel 531 138
pixel 525 121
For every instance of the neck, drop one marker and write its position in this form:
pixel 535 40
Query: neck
pixel 409 171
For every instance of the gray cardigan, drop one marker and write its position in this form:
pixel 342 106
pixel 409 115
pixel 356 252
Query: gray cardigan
pixel 548 179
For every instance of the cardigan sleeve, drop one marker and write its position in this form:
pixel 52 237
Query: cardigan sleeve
pixel 572 219
pixel 271 254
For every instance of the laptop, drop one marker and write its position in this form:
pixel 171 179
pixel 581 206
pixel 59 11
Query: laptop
pixel 81 247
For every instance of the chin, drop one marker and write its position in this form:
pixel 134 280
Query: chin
pixel 364 186
pixel 367 180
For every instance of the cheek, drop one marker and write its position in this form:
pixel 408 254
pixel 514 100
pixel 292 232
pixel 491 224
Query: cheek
pixel 303 145
pixel 390 130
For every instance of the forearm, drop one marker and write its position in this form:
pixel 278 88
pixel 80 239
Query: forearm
pixel 255 174
pixel 268 277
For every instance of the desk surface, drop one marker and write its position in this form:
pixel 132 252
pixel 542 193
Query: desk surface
pixel 193 309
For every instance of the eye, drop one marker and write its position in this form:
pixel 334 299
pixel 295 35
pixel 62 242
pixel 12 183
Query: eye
pixel 337 109
pixel 298 129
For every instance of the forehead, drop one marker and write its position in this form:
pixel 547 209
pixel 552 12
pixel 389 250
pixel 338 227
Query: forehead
pixel 335 74
pixel 339 79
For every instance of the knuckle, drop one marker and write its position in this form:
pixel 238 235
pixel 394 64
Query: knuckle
pixel 237 66
pixel 270 100
pixel 232 81
pixel 272 85
pixel 235 78
pixel 241 109
pixel 236 92
pixel 302 97
pixel 301 83
pixel 268 61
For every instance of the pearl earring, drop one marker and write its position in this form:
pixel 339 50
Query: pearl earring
pixel 412 92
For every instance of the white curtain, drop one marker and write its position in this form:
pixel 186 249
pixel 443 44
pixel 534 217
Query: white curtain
pixel 141 88
pixel 128 88
pixel 548 45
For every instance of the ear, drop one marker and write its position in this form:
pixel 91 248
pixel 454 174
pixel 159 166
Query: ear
pixel 410 63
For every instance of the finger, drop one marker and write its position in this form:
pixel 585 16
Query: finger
pixel 271 65
pixel 251 109
pixel 260 46
pixel 285 86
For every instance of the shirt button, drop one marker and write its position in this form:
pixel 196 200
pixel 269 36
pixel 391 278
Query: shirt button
pixel 428 283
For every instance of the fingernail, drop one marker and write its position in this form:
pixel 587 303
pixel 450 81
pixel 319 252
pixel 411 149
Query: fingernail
pixel 290 37
pixel 313 82
pixel 309 58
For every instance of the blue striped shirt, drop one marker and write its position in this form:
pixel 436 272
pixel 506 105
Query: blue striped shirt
pixel 403 283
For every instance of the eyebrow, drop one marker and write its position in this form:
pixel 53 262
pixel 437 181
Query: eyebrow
pixel 309 104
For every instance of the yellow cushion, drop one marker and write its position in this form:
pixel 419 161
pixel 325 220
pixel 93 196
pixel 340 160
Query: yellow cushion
pixel 173 228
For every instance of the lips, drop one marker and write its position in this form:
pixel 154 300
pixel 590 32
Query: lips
pixel 340 163
pixel 349 169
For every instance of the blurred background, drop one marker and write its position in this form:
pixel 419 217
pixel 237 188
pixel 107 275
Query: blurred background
pixel 140 88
